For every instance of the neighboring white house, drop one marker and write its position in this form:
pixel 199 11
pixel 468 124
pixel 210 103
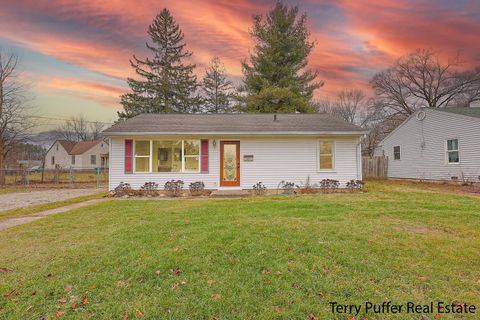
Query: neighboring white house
pixel 233 150
pixel 435 144
pixel 78 155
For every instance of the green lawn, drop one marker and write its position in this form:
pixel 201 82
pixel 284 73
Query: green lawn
pixel 278 257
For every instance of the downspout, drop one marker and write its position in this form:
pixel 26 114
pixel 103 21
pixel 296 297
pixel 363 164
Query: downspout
pixel 108 164
pixel 358 157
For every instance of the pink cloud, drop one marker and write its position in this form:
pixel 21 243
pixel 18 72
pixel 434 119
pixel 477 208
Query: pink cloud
pixel 365 37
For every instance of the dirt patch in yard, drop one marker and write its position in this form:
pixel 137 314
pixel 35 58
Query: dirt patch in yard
pixel 421 229
pixel 451 187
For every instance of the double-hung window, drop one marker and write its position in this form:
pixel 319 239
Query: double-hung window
pixel 396 153
pixel 142 156
pixel 191 155
pixel 326 155
pixel 453 155
pixel 167 156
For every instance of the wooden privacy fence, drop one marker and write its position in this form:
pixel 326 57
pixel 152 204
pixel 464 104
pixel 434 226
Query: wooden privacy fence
pixel 374 167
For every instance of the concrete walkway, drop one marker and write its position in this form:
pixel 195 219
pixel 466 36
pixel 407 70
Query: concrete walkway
pixel 16 200
pixel 42 214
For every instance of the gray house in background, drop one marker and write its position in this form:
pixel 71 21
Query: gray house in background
pixel 435 144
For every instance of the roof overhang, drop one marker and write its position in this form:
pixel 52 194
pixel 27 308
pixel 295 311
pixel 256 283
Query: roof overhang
pixel 243 133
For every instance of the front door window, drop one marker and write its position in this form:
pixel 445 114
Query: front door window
pixel 230 163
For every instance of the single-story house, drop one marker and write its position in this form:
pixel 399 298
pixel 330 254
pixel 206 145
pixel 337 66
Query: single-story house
pixel 81 155
pixel 233 150
pixel 435 144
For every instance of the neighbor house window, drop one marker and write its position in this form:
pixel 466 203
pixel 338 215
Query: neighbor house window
pixel 452 151
pixel 53 160
pixel 56 147
pixel 93 159
pixel 326 155
pixel 167 156
pixel 73 159
pixel 396 153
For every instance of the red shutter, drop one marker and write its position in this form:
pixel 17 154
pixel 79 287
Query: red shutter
pixel 128 156
pixel 204 160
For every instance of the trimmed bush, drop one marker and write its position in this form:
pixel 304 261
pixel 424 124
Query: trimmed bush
pixel 287 187
pixel 174 188
pixel 197 188
pixel 123 189
pixel 149 189
pixel 354 185
pixel 329 185
pixel 259 189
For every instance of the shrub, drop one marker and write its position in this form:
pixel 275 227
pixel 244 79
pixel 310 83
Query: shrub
pixel 353 185
pixel 329 185
pixel 259 189
pixel 149 189
pixel 150 186
pixel 308 187
pixel 123 189
pixel 287 187
pixel 196 188
pixel 174 187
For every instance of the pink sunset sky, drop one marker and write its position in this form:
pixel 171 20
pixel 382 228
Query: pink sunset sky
pixel 75 54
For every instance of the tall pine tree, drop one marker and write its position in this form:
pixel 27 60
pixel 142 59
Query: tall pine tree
pixel 275 80
pixel 218 90
pixel 165 84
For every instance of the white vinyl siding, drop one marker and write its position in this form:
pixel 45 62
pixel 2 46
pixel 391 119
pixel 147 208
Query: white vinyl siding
pixel 424 147
pixel 274 159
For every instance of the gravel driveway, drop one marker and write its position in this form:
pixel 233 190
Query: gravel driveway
pixel 14 200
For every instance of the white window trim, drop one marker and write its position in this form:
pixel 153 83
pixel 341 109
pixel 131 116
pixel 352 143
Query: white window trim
pixel 334 150
pixel 134 158
pixel 399 152
pixel 151 157
pixel 447 151
pixel 192 156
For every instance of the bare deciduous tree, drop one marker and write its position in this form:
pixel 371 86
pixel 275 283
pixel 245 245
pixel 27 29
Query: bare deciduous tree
pixel 378 123
pixel 96 129
pixel 15 122
pixel 79 129
pixel 419 80
pixel 349 105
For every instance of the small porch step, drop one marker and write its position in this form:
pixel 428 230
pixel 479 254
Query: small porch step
pixel 229 193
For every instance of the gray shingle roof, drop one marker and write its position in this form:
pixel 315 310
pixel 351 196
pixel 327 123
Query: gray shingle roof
pixel 256 123
pixel 470 112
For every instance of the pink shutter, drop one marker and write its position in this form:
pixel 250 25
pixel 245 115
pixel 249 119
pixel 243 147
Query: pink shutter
pixel 128 156
pixel 204 160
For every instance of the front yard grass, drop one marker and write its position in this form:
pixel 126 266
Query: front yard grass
pixel 255 258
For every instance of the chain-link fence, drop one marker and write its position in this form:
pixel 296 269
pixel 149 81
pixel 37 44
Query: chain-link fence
pixel 62 177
